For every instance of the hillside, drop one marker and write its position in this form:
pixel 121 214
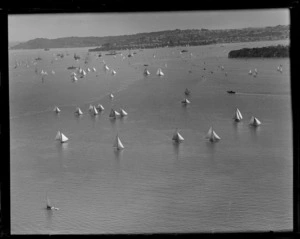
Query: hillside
pixel 162 38
pixel 269 52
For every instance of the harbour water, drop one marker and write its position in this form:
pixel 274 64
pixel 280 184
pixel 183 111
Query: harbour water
pixel 241 183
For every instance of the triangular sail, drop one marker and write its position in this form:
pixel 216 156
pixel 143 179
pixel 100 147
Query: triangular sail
pixel 91 107
pixel 78 111
pixel 185 101
pixel 56 109
pixel 146 72
pixel 57 137
pixel 254 121
pixel 212 135
pixel 95 111
pixel 177 137
pixel 238 116
pixel 63 138
pixel 100 107
pixel 215 136
pixel 118 144
pixel 123 112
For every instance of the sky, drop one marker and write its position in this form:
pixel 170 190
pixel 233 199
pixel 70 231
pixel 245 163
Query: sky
pixel 30 26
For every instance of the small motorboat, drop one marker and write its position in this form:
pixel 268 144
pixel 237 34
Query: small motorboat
pixel 231 92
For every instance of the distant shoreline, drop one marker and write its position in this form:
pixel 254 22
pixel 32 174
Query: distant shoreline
pixel 169 38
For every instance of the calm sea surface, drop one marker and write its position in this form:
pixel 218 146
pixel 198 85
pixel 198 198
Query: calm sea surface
pixel 242 183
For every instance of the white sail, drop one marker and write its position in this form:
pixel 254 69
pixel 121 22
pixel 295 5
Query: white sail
pixel 63 138
pixel 106 68
pixel 56 109
pixel 91 107
pixel 255 70
pixel 95 111
pixel 53 72
pixel 254 121
pixel 111 96
pixel 73 74
pixel 177 137
pixel 146 72
pixel 159 72
pixel 100 107
pixel 88 69
pixel 185 101
pixel 83 73
pixel 113 72
pixel 118 144
pixel 94 69
pixel 57 137
pixel 250 72
pixel 78 111
pixel 237 116
pixel 123 112
pixel 212 136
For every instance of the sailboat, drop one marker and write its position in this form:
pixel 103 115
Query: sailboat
pixel 255 70
pixel 111 96
pixel 61 137
pixel 53 72
pixel 91 108
pixel 113 72
pixel 94 111
pixel 79 71
pixel 185 101
pixel 212 136
pixel 113 114
pixel 78 111
pixel 250 72
pixel 254 121
pixel 83 73
pixel 177 137
pixel 100 107
pixel 74 78
pixel 237 116
pixel 146 72
pixel 94 69
pixel 49 207
pixel 159 72
pixel 122 113
pixel 106 68
pixel 88 69
pixel 56 109
pixel 118 144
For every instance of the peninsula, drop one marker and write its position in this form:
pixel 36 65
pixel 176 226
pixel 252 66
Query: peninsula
pixel 264 52
pixel 170 38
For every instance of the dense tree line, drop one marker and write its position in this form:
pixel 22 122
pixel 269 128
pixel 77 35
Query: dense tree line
pixel 270 51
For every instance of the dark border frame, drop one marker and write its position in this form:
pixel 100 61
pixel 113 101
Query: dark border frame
pixel 115 6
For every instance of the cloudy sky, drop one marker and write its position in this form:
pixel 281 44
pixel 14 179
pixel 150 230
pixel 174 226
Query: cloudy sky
pixel 27 27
